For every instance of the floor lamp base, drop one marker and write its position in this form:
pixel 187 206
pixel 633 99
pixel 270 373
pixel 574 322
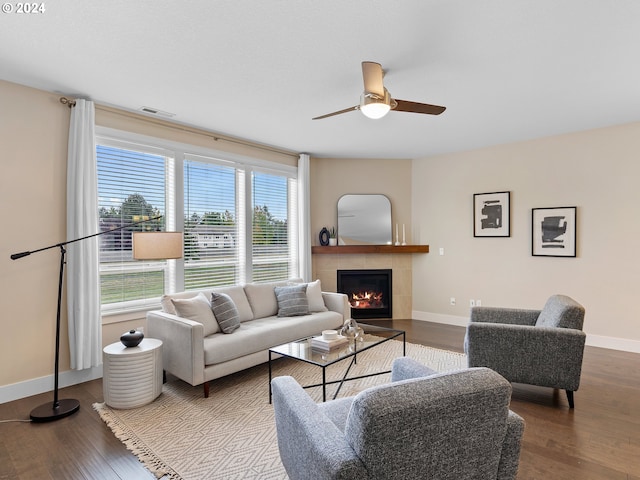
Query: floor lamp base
pixel 49 413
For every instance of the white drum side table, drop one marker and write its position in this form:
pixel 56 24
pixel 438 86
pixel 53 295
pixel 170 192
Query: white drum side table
pixel 132 376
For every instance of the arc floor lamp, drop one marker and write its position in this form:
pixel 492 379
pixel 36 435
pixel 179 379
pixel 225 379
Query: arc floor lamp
pixel 151 246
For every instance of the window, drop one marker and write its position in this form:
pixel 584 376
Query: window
pixel 234 232
pixel 131 188
pixel 211 224
pixel 273 251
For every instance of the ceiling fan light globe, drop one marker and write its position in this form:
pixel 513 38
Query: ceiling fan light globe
pixel 373 106
pixel 375 110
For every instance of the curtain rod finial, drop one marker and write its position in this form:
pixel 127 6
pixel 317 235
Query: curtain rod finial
pixel 66 101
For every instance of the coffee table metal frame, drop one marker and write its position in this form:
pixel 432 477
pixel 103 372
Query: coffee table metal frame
pixel 301 350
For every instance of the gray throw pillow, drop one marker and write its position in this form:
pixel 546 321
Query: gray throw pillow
pixel 225 312
pixel 292 301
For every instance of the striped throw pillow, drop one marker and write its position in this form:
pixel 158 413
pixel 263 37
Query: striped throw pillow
pixel 292 301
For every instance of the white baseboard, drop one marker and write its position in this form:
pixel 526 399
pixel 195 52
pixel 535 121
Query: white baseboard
pixel 612 343
pixel 15 391
pixel 440 318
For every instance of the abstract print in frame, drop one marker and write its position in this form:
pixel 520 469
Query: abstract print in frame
pixel 491 214
pixel 553 232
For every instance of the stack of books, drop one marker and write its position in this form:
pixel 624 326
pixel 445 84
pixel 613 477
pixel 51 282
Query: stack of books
pixel 319 343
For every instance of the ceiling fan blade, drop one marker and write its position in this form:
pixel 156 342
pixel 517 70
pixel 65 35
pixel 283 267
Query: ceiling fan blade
pixel 372 75
pixel 350 109
pixel 415 107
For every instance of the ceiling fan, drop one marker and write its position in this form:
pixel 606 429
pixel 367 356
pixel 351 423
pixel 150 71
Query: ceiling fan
pixel 375 101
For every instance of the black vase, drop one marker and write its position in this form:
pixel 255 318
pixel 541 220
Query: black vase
pixel 132 338
pixel 324 237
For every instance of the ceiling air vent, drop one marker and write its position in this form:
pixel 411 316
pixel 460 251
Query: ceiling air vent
pixel 155 111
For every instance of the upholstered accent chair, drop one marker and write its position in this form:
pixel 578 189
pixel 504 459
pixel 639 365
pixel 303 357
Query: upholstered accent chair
pixel 424 424
pixel 536 347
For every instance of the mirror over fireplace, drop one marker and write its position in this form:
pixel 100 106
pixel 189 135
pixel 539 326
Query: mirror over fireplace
pixel 364 220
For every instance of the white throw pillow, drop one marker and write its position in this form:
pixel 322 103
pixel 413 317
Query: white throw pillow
pixel 314 297
pixel 199 310
pixel 167 305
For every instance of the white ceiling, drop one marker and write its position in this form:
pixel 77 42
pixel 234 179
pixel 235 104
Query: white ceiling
pixel 506 70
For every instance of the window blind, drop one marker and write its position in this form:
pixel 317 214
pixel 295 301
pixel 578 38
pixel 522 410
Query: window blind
pixel 210 225
pixel 271 234
pixel 131 188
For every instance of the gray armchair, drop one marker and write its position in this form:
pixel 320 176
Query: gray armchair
pixel 536 347
pixel 424 425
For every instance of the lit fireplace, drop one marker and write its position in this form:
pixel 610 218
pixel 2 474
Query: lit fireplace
pixel 369 292
pixel 366 300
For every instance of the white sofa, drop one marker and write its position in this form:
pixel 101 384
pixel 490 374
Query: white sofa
pixel 194 350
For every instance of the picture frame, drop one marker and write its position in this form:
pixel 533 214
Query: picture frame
pixel 492 214
pixel 553 232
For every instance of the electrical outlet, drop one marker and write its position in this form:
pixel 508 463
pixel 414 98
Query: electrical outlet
pixel 478 303
pixel 472 303
pixel 452 301
pixel 441 250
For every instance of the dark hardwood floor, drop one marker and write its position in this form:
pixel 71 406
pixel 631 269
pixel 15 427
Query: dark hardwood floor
pixel 598 440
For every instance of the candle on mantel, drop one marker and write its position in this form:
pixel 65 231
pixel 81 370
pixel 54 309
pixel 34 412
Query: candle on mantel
pixel 403 241
pixel 397 237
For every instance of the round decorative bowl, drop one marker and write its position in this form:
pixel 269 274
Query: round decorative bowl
pixel 132 338
pixel 329 334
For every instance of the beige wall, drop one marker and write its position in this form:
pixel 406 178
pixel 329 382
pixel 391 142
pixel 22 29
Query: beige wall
pixel 332 178
pixel 597 171
pixel 153 127
pixel 34 129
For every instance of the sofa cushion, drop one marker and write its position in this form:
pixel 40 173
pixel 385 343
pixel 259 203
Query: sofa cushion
pixel 263 333
pixel 225 312
pixel 239 298
pixel 197 309
pixel 292 300
pixel 236 293
pixel 314 297
pixel 262 298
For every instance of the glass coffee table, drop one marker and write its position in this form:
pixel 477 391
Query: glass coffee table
pixel 302 350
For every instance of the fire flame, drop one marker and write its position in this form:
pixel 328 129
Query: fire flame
pixel 366 300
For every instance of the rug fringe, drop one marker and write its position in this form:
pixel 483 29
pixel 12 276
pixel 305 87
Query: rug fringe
pixel 146 456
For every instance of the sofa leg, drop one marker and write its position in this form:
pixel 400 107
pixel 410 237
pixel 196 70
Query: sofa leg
pixel 206 389
pixel 570 398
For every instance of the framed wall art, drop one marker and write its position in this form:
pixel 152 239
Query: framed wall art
pixel 491 214
pixel 553 232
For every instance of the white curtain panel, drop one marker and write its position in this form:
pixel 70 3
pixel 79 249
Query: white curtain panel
pixel 83 279
pixel 304 212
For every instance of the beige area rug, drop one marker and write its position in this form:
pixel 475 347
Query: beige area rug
pixel 231 434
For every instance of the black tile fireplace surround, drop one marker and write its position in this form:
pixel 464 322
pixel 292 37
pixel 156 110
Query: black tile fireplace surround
pixel 369 292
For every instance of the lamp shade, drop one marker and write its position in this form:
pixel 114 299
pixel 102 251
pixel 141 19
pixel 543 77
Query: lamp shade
pixel 157 245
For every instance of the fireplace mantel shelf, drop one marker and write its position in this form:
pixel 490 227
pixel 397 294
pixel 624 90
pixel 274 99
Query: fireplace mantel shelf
pixel 364 249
